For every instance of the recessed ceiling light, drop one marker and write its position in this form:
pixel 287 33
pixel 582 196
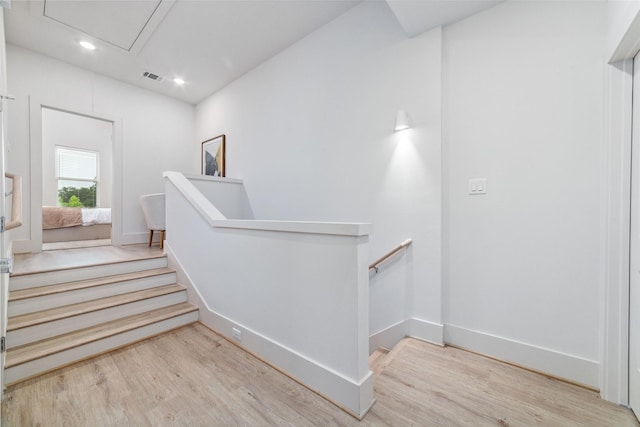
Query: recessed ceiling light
pixel 178 81
pixel 87 45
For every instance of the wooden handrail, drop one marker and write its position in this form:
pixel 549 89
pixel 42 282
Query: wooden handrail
pixel 16 202
pixel 374 265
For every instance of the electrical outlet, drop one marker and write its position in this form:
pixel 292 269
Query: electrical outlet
pixel 478 186
pixel 237 334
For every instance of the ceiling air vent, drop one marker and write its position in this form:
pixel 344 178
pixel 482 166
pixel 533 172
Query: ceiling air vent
pixel 152 76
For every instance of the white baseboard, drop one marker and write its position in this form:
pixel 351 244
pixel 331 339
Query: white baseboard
pixel 356 397
pixel 561 365
pixel 570 367
pixel 414 328
pixel 25 247
pixel 137 238
pixel 389 337
pixel 426 331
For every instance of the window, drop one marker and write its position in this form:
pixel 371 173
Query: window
pixel 77 173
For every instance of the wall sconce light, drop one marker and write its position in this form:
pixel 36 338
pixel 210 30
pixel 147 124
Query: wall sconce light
pixel 403 121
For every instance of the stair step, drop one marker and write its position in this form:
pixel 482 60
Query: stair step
pixel 377 359
pixel 32 327
pixel 47 297
pixel 68 356
pixel 81 284
pixel 31 319
pixel 380 359
pixel 56 276
pixel 64 315
pixel 30 352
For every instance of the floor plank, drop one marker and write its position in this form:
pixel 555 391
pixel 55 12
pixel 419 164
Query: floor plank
pixel 78 257
pixel 192 376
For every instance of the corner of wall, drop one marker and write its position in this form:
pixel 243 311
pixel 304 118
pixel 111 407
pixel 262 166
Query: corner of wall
pixel 415 328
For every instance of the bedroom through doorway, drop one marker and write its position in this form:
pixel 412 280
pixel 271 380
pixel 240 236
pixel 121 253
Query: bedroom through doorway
pixel 77 180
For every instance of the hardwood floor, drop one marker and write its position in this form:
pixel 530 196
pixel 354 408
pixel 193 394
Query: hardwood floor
pixel 79 256
pixel 193 377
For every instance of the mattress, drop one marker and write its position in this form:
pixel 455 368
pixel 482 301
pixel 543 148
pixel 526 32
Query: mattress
pixel 62 217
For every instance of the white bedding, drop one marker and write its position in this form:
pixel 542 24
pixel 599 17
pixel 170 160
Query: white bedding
pixel 92 216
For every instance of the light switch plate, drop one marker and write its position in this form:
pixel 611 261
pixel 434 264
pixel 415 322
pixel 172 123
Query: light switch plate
pixel 478 186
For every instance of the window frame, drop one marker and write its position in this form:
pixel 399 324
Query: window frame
pixel 59 178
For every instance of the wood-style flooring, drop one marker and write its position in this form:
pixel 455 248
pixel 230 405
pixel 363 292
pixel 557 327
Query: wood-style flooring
pixel 79 257
pixel 194 377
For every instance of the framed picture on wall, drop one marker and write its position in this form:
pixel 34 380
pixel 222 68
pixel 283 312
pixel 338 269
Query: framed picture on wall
pixel 213 162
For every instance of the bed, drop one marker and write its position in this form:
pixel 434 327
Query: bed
pixel 60 224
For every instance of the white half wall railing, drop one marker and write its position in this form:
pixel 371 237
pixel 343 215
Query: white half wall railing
pixel 295 294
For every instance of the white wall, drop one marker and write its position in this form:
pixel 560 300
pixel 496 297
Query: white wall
pixel 523 107
pixel 226 194
pixel 74 131
pixel 310 132
pixel 157 131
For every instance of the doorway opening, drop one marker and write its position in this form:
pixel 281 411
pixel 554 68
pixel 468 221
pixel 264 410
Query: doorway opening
pixel 77 180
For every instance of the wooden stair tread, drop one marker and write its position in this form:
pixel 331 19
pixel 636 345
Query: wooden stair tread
pixel 31 319
pixel 29 352
pixel 377 359
pixel 82 284
pixel 377 355
pixel 135 258
pixel 382 361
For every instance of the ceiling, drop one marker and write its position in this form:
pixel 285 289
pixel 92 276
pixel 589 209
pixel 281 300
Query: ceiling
pixel 418 16
pixel 207 43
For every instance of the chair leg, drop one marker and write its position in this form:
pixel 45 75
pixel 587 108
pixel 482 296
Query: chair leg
pixel 161 239
pixel 150 237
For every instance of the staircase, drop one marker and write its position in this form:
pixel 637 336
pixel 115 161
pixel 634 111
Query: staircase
pixel 380 358
pixel 61 316
pixel 377 361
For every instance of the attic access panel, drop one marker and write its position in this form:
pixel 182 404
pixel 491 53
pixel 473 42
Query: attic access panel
pixel 123 24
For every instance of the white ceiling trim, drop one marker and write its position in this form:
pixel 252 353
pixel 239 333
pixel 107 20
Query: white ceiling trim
pixel 161 11
pixel 129 35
